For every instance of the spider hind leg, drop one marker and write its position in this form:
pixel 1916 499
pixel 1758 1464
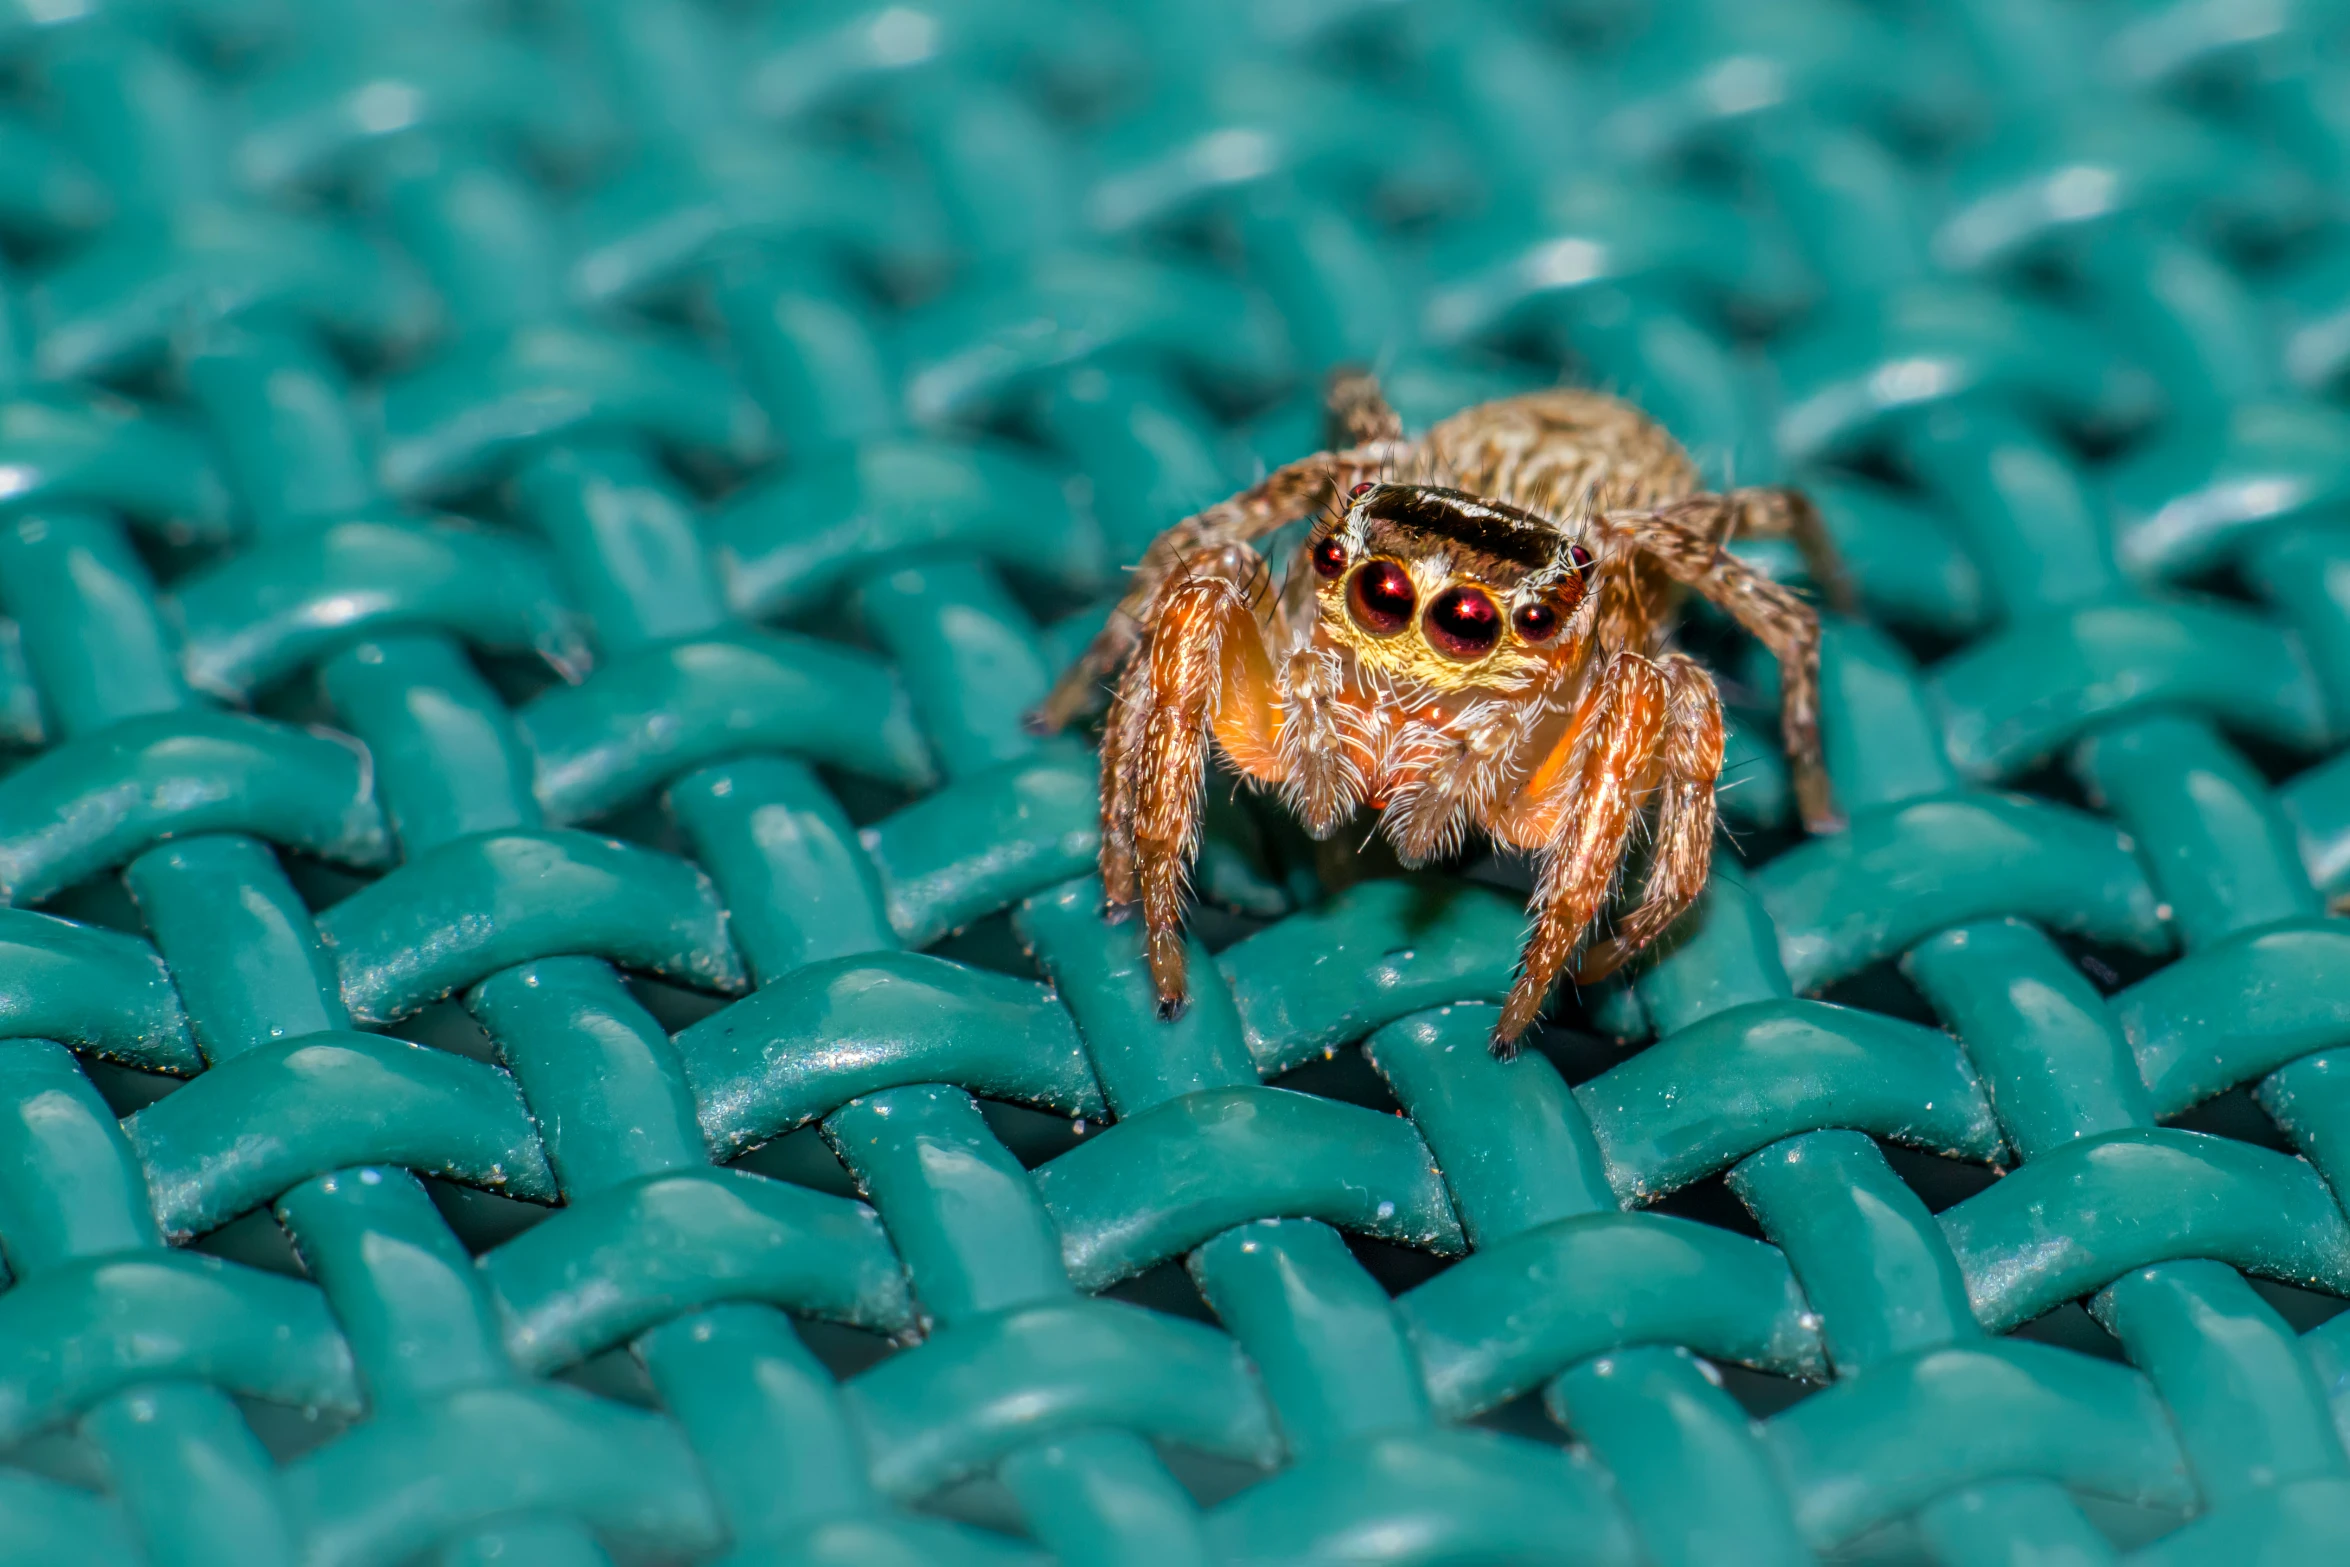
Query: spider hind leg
pixel 1355 411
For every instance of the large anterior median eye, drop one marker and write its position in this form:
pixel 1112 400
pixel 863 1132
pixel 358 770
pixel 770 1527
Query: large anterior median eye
pixel 1463 622
pixel 1380 597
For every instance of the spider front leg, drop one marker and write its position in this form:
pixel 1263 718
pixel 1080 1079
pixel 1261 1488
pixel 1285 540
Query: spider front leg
pixel 1293 490
pixel 1688 764
pixel 1206 670
pixel 1678 538
pixel 1122 738
pixel 1578 808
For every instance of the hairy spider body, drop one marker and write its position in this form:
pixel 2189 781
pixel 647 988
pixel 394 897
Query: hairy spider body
pixel 1472 636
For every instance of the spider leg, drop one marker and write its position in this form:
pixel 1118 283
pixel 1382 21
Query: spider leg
pixel 1778 512
pixel 1356 412
pixel 1689 760
pixel 1122 737
pixel 1206 671
pixel 1289 491
pixel 1608 755
pixel 1676 538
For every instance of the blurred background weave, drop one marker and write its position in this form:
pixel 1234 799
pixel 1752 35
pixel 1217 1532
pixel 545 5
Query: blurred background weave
pixel 552 1014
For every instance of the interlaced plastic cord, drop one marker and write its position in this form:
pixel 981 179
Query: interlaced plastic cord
pixel 953 312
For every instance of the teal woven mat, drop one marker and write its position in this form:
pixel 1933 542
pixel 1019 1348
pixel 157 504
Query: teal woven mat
pixel 554 1014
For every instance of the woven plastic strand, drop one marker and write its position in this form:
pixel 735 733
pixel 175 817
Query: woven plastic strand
pixel 552 1010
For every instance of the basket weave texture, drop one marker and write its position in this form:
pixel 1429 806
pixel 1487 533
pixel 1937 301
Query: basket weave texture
pixel 552 1013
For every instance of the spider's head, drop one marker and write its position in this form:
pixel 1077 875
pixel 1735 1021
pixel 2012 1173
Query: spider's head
pixel 1449 589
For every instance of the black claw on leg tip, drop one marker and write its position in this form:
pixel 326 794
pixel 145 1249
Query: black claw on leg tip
pixel 1503 1049
pixel 1116 913
pixel 1034 722
pixel 1173 1007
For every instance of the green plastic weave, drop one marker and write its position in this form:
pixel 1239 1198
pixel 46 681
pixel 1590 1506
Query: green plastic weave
pixel 500 497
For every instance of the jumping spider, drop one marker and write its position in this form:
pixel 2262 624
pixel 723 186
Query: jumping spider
pixel 1473 634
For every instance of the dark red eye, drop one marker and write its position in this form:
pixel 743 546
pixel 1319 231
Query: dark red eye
pixel 1359 491
pixel 1580 556
pixel 1380 597
pixel 1536 622
pixel 1464 622
pixel 1329 557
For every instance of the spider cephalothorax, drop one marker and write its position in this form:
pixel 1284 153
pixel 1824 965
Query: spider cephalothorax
pixel 1481 650
pixel 1437 588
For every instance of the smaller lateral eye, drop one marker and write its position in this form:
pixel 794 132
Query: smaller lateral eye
pixel 1535 622
pixel 1359 491
pixel 1580 556
pixel 1329 557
